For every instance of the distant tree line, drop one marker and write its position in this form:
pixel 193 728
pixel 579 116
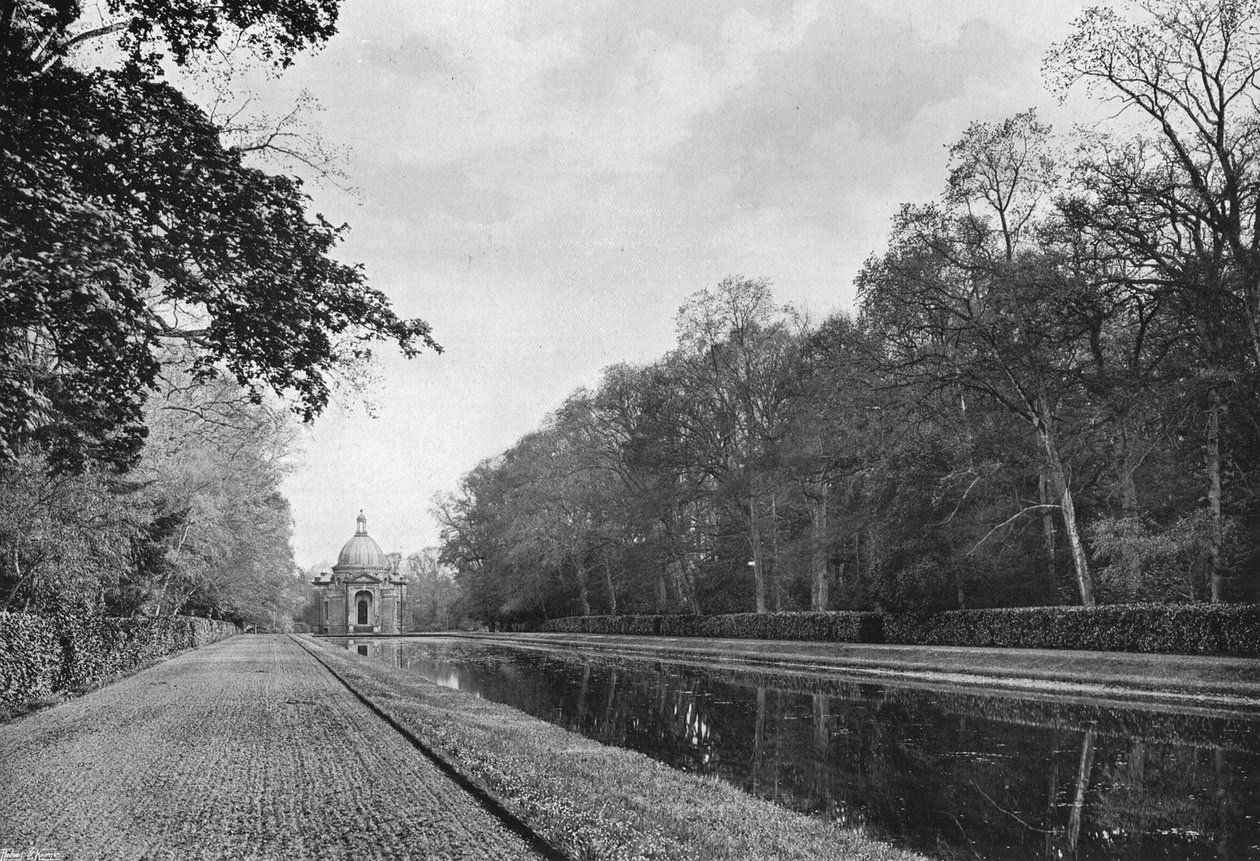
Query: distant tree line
pixel 1048 392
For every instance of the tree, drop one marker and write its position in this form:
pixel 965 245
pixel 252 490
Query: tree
pixel 432 594
pixel 1181 199
pixel 218 536
pixel 35 37
pixel 65 540
pixel 739 350
pixel 126 228
pixel 969 303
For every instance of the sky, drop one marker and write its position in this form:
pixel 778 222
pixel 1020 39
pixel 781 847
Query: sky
pixel 545 183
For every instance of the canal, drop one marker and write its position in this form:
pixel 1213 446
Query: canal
pixel 949 774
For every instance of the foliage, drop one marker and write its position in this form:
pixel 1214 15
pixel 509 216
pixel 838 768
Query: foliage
pixel 1146 562
pixel 30 657
pixel 433 598
pixel 65 540
pixel 197 526
pixel 156 236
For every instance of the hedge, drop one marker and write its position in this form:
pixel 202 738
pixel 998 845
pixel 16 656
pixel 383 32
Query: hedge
pixel 1187 629
pixel 603 625
pixel 841 626
pixel 41 656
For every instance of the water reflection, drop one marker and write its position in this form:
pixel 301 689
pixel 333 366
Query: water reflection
pixel 951 775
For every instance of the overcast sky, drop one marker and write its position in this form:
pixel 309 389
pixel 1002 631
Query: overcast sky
pixel 546 182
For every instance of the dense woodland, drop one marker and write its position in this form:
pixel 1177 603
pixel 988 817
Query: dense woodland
pixel 168 309
pixel 1047 393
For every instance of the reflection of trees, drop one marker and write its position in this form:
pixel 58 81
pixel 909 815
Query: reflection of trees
pixel 1082 786
pixel 950 783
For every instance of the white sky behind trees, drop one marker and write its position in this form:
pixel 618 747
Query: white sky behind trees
pixel 546 182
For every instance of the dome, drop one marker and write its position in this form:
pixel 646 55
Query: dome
pixel 361 552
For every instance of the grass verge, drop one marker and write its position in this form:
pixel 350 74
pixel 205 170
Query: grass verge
pixel 592 801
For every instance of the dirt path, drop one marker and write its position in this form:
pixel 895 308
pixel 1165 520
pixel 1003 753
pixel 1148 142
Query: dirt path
pixel 246 749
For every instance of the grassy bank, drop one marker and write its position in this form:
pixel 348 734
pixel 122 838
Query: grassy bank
pixel 592 801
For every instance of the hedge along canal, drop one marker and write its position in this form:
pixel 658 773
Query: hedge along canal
pixel 939 772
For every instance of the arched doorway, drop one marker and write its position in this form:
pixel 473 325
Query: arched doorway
pixel 363 605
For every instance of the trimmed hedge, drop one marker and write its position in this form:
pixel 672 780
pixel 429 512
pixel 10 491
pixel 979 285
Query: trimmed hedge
pixel 40 656
pixel 646 625
pixel 1186 629
pixel 838 626
pixel 30 657
pixel 841 626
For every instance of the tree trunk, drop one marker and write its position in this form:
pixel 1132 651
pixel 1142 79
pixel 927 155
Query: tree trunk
pixel 581 700
pixel 1053 830
pixel 818 553
pixel 822 751
pixel 1048 530
pixel 683 585
pixel 1125 468
pixel 1058 476
pixel 608 583
pixel 1082 786
pixel 584 597
pixel 759 737
pixel 754 539
pixel 1213 464
pixel 776 582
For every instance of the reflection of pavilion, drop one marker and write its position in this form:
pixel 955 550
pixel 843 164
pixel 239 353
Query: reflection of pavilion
pixel 364 595
pixel 384 650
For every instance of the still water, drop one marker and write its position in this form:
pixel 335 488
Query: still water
pixel 951 775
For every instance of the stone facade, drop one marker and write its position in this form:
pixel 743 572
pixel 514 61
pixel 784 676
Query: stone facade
pixel 364 594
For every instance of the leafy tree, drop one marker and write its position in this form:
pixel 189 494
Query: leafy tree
pixel 432 595
pixel 738 350
pixel 127 228
pixel 970 302
pixel 1180 200
pixel 65 540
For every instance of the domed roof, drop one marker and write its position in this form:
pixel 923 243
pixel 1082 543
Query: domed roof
pixel 361 552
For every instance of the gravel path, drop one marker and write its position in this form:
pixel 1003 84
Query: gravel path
pixel 245 749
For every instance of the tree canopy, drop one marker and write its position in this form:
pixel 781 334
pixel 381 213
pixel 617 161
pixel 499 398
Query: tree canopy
pixel 164 305
pixel 128 227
